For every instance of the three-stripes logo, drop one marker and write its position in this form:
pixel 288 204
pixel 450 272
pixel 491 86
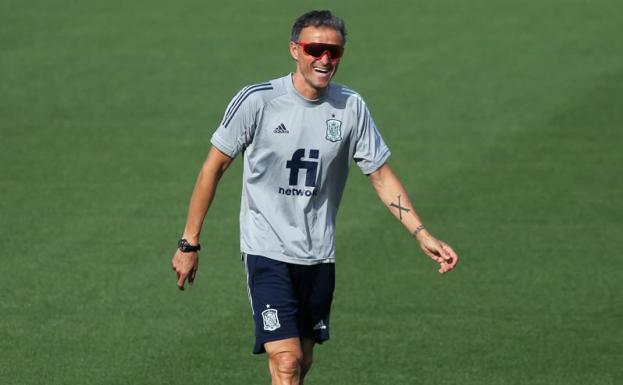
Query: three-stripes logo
pixel 281 129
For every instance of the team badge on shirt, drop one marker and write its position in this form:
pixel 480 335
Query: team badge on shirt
pixel 271 320
pixel 334 130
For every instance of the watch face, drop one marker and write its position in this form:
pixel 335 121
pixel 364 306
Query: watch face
pixel 186 247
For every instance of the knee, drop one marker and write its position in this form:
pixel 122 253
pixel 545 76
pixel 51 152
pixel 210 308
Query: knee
pixel 287 365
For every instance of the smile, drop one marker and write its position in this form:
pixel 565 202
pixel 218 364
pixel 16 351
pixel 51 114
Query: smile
pixel 322 70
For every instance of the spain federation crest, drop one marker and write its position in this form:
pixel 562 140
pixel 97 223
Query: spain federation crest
pixel 334 130
pixel 271 319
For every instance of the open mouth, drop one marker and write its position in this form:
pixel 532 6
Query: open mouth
pixel 322 70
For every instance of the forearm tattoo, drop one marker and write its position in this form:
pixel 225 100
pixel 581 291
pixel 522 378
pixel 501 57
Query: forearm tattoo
pixel 399 207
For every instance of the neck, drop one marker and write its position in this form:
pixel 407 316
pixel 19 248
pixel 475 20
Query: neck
pixel 305 89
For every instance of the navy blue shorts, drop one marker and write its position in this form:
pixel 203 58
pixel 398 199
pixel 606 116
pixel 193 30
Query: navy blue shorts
pixel 289 300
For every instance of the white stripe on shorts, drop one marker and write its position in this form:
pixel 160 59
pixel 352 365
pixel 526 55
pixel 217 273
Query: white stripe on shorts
pixel 246 271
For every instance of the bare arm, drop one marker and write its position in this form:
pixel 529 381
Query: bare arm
pixel 186 264
pixel 393 195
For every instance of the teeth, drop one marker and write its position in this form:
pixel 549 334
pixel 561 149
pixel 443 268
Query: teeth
pixel 321 70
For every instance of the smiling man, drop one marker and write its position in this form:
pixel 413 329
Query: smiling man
pixel 298 135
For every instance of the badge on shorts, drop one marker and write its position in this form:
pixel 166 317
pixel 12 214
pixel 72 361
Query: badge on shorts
pixel 334 130
pixel 271 320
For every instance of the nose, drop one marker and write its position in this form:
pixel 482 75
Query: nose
pixel 325 58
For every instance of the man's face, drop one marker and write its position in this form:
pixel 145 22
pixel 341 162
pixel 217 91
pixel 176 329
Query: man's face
pixel 313 74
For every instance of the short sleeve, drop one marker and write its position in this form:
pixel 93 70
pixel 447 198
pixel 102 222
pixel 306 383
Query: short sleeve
pixel 371 152
pixel 236 130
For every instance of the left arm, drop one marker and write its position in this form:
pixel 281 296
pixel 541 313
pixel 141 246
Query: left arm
pixel 393 195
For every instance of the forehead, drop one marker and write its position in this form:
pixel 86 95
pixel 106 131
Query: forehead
pixel 326 35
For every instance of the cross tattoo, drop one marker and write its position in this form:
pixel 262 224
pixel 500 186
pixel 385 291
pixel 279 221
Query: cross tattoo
pixel 399 207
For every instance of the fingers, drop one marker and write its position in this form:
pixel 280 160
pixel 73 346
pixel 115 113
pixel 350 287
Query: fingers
pixel 450 255
pixel 450 258
pixel 181 279
pixel 193 273
pixel 178 267
pixel 444 266
pixel 442 254
pixel 185 267
pixel 434 255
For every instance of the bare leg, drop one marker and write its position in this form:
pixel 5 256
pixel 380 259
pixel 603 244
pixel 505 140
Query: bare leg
pixel 308 357
pixel 285 358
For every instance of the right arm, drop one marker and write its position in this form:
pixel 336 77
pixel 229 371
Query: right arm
pixel 186 264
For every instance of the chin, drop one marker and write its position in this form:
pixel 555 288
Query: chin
pixel 321 84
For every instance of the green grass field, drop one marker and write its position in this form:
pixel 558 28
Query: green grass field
pixel 505 119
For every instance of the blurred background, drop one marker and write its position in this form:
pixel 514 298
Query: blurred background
pixel 505 122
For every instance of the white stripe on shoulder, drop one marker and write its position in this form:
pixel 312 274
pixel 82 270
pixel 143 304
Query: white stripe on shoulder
pixel 348 92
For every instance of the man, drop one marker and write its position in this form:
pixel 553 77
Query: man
pixel 298 135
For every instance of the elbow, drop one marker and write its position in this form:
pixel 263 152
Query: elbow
pixel 379 176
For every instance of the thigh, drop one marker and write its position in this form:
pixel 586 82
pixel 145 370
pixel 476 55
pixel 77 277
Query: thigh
pixel 314 286
pixel 273 301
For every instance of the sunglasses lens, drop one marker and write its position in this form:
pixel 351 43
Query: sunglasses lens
pixel 317 50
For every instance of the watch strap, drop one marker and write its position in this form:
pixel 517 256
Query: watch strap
pixel 184 246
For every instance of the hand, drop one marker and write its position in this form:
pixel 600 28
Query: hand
pixel 439 251
pixel 185 265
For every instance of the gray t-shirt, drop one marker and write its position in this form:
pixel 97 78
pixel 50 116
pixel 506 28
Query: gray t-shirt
pixel 297 154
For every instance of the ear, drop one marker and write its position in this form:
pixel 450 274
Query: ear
pixel 294 52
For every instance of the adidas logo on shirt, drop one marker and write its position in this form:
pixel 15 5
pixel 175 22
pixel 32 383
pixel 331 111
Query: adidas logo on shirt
pixel 281 129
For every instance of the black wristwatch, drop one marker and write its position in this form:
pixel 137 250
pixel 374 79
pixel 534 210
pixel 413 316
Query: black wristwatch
pixel 186 247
